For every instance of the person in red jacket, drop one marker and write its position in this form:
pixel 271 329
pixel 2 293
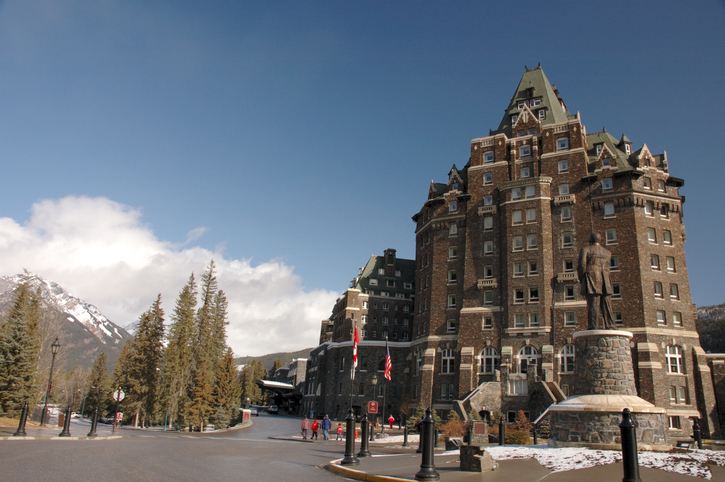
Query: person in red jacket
pixel 391 419
pixel 315 427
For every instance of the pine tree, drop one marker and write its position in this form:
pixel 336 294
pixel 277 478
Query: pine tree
pixel 19 350
pixel 201 405
pixel 277 365
pixel 219 327
pixel 98 386
pixel 121 376
pixel 205 319
pixel 226 392
pixel 179 355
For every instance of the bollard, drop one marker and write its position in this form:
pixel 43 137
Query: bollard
pixel 94 424
pixel 372 432
pixel 405 436
pixel 501 432
pixel 696 432
pixel 427 467
pixel 536 439
pixel 20 432
pixel 435 437
pixel 350 458
pixel 469 433
pixel 420 438
pixel 364 425
pixel 630 465
pixel 66 423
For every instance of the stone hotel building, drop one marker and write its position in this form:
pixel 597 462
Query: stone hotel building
pixel 483 319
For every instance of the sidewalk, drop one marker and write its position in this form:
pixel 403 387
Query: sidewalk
pixel 79 431
pixel 404 466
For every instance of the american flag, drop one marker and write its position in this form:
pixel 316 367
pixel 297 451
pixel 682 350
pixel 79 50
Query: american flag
pixel 388 362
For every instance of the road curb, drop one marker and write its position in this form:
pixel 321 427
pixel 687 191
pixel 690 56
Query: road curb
pixel 338 469
pixel 110 437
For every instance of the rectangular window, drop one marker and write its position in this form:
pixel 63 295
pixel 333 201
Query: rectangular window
pixel 531 241
pixel 542 114
pixel 661 318
pixel 530 192
pixel 520 320
pixel 666 238
pixel 451 277
pixel 616 291
pixel 373 282
pixel 515 193
pixel 661 185
pixel 614 263
pixel 608 209
pixel 566 213
pixel 531 215
pixel 649 209
pixel 569 293
pixel 563 167
pixel 518 295
pixel 569 318
pixel 488 298
pixel 607 184
pixel 451 326
pixel 533 268
pixel 655 262
pixel 488 322
pixel 617 317
pixel 518 269
pixel 562 144
pixel 563 189
pixel 524 151
pixel 452 252
pixel 533 320
pixel 487 272
pixel 525 172
pixel 611 236
pixel 516 217
pixel 533 295
pixel 488 247
pixel 568 265
pixel 647 183
pixel 606 162
pixel 677 318
pixel 674 422
pixel 453 207
pixel 488 200
pixel 451 301
pixel 487 178
pixel 652 235
pixel 674 292
pixel 488 157
pixel 658 290
pixel 453 230
pixel 567 240
pixel 518 243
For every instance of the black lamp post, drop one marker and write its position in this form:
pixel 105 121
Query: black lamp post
pixel 54 350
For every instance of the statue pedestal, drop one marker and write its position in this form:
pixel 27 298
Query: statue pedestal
pixel 605 386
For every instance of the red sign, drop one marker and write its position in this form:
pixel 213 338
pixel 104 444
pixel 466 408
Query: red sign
pixel 373 407
pixel 119 416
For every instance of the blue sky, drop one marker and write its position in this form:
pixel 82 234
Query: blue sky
pixel 292 140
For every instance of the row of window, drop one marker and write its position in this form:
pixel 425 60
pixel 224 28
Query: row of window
pixel 674 290
pixel 385 306
pixel 385 320
pixel 384 335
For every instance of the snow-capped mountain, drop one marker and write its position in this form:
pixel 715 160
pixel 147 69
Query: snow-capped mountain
pixel 75 309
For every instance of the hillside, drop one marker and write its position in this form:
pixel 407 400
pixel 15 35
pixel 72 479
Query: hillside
pixel 268 360
pixel 711 326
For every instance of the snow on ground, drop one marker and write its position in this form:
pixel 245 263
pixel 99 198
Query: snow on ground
pixel 688 462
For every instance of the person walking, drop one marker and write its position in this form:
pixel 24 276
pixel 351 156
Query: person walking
pixel 305 428
pixel 315 428
pixel 339 431
pixel 391 419
pixel 326 425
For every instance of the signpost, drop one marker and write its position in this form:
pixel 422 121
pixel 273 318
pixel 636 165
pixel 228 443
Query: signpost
pixel 373 407
pixel 118 395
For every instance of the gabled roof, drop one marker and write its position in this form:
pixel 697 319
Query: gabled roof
pixel 534 85
pixel 612 144
pixel 407 273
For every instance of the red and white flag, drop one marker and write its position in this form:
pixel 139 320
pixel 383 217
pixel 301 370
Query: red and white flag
pixel 388 362
pixel 354 349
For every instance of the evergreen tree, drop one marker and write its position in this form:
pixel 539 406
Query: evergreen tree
pixel 226 392
pixel 121 376
pixel 205 320
pixel 277 365
pixel 203 400
pixel 145 364
pixel 98 386
pixel 179 355
pixel 250 374
pixel 219 327
pixel 19 350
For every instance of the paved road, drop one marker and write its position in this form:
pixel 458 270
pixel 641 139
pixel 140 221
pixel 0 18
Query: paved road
pixel 243 454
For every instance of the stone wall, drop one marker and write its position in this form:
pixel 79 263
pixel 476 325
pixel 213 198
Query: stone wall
pixel 601 429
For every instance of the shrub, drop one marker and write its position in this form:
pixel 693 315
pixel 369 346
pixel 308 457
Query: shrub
pixel 454 428
pixel 518 437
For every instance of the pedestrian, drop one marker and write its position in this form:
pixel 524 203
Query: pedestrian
pixel 305 428
pixel 391 419
pixel 339 431
pixel 315 428
pixel 326 425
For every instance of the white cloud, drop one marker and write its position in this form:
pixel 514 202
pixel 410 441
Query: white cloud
pixel 102 252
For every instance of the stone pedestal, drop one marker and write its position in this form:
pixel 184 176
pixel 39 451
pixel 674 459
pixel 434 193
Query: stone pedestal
pixel 605 386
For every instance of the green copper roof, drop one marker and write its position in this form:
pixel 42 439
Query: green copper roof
pixel 534 86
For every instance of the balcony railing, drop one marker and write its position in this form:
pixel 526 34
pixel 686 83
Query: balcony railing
pixel 487 283
pixel 565 199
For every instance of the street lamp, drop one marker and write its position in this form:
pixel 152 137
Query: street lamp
pixel 54 350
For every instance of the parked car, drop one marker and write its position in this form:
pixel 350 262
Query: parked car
pixel 254 411
pixel 273 409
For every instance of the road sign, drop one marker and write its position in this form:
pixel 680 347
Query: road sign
pixel 118 395
pixel 119 417
pixel 373 407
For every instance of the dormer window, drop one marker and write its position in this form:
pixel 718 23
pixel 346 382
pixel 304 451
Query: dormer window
pixel 454 187
pixel 606 163
pixel 599 149
pixel 521 105
pixel 542 114
pixel 521 133
pixel 514 118
pixel 488 156
pixel 524 151
pixel 628 149
pixel 562 144
pixel 453 207
pixel 535 102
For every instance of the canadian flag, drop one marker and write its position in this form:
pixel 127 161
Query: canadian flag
pixel 354 349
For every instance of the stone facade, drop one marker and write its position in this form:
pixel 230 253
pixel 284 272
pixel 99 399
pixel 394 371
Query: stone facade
pixel 496 297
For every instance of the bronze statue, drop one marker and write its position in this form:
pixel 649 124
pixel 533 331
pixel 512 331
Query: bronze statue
pixel 596 286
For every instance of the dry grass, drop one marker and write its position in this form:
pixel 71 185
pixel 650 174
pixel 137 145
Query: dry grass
pixel 13 422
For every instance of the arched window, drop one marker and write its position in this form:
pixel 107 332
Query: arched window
pixel 447 361
pixel 528 359
pixel 489 360
pixel 674 359
pixel 567 358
